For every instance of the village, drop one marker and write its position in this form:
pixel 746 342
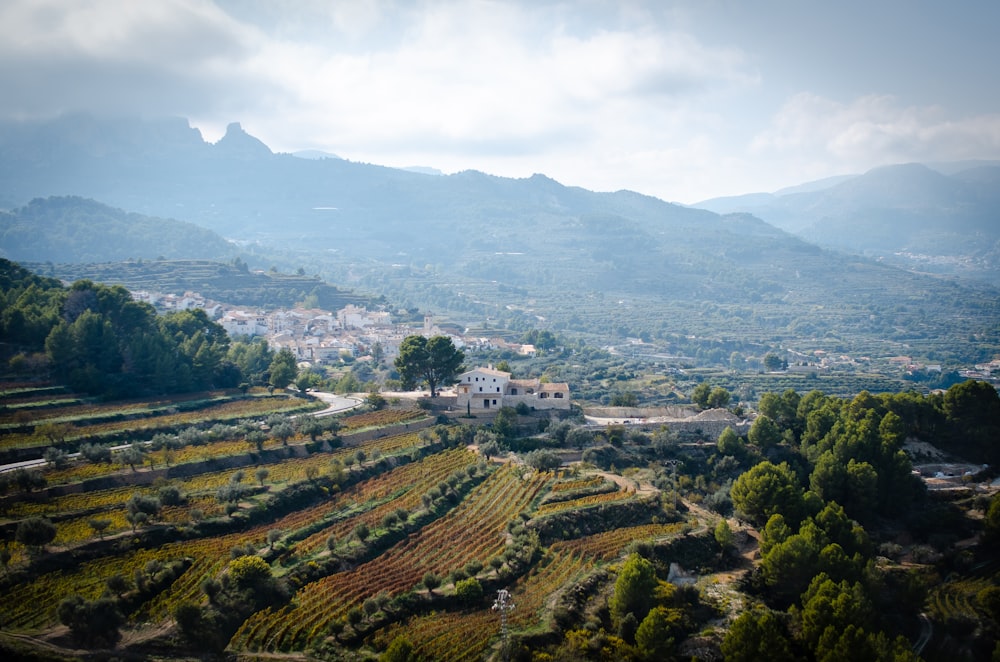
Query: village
pixel 354 333
pixel 320 337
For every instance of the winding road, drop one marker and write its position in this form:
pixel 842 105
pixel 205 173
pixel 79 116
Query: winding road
pixel 334 403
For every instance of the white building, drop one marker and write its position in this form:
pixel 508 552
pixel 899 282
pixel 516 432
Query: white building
pixel 354 317
pixel 486 388
pixel 239 323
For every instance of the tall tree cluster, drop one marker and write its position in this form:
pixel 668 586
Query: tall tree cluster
pixel 843 468
pixel 98 340
pixel 433 360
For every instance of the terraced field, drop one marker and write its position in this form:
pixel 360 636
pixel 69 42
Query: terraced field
pixel 430 507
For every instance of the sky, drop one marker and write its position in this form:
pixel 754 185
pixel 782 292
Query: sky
pixel 680 99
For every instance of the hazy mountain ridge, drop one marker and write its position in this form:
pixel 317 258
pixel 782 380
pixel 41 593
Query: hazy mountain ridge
pixel 74 229
pixel 229 283
pixel 478 246
pixel 910 214
pixel 238 187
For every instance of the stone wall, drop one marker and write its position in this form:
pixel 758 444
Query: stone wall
pixel 707 424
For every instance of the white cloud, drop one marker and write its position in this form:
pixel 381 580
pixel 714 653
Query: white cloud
pixel 874 130
pixel 508 89
pixel 473 74
pixel 597 94
pixel 154 58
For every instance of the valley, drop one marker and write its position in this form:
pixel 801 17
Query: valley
pixel 175 314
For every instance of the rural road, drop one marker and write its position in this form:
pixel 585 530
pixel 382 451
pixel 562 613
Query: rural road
pixel 334 403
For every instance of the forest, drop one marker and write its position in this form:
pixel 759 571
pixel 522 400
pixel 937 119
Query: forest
pixel 99 341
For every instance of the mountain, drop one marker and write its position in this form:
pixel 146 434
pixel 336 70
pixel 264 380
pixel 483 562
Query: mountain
pixel 74 229
pixel 314 154
pixel 954 167
pixel 424 170
pixel 516 254
pixel 239 189
pixel 751 203
pixel 815 185
pixel 238 144
pixel 944 220
pixel 231 282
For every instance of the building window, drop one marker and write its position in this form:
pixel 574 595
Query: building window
pixel 480 389
pixel 557 395
pixel 513 391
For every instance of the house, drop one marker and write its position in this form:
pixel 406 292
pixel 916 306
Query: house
pixel 354 317
pixel 487 388
pixel 240 323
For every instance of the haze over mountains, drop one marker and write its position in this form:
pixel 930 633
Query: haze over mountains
pixel 513 249
pixel 73 229
pixel 944 219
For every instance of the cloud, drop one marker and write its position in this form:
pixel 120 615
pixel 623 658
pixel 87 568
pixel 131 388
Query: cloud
pixel 509 89
pixel 875 130
pixel 596 94
pixel 165 57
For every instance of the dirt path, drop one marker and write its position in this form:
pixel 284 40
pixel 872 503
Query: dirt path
pixel 629 484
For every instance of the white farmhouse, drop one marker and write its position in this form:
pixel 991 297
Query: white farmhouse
pixel 486 388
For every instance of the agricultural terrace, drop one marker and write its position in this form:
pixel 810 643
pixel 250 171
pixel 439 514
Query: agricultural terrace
pixel 466 635
pixel 36 424
pixel 381 418
pixel 75 511
pixel 343 526
pixel 474 530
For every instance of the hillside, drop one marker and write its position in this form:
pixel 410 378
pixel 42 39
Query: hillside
pixel 940 220
pixel 231 283
pixel 73 229
pixel 334 538
pixel 511 253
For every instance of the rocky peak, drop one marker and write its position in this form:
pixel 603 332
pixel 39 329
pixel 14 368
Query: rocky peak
pixel 239 143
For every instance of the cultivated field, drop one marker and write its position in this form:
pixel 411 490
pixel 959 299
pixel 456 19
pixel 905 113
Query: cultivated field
pixel 352 530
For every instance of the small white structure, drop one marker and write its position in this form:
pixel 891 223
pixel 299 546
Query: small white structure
pixel 240 323
pixel 486 388
pixel 355 317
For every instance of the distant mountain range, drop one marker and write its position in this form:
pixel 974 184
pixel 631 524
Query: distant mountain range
pixel 943 219
pixel 527 252
pixel 73 229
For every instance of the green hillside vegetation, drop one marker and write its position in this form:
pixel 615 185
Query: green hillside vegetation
pixel 97 340
pixel 232 282
pixel 706 291
pixel 73 229
pixel 383 532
